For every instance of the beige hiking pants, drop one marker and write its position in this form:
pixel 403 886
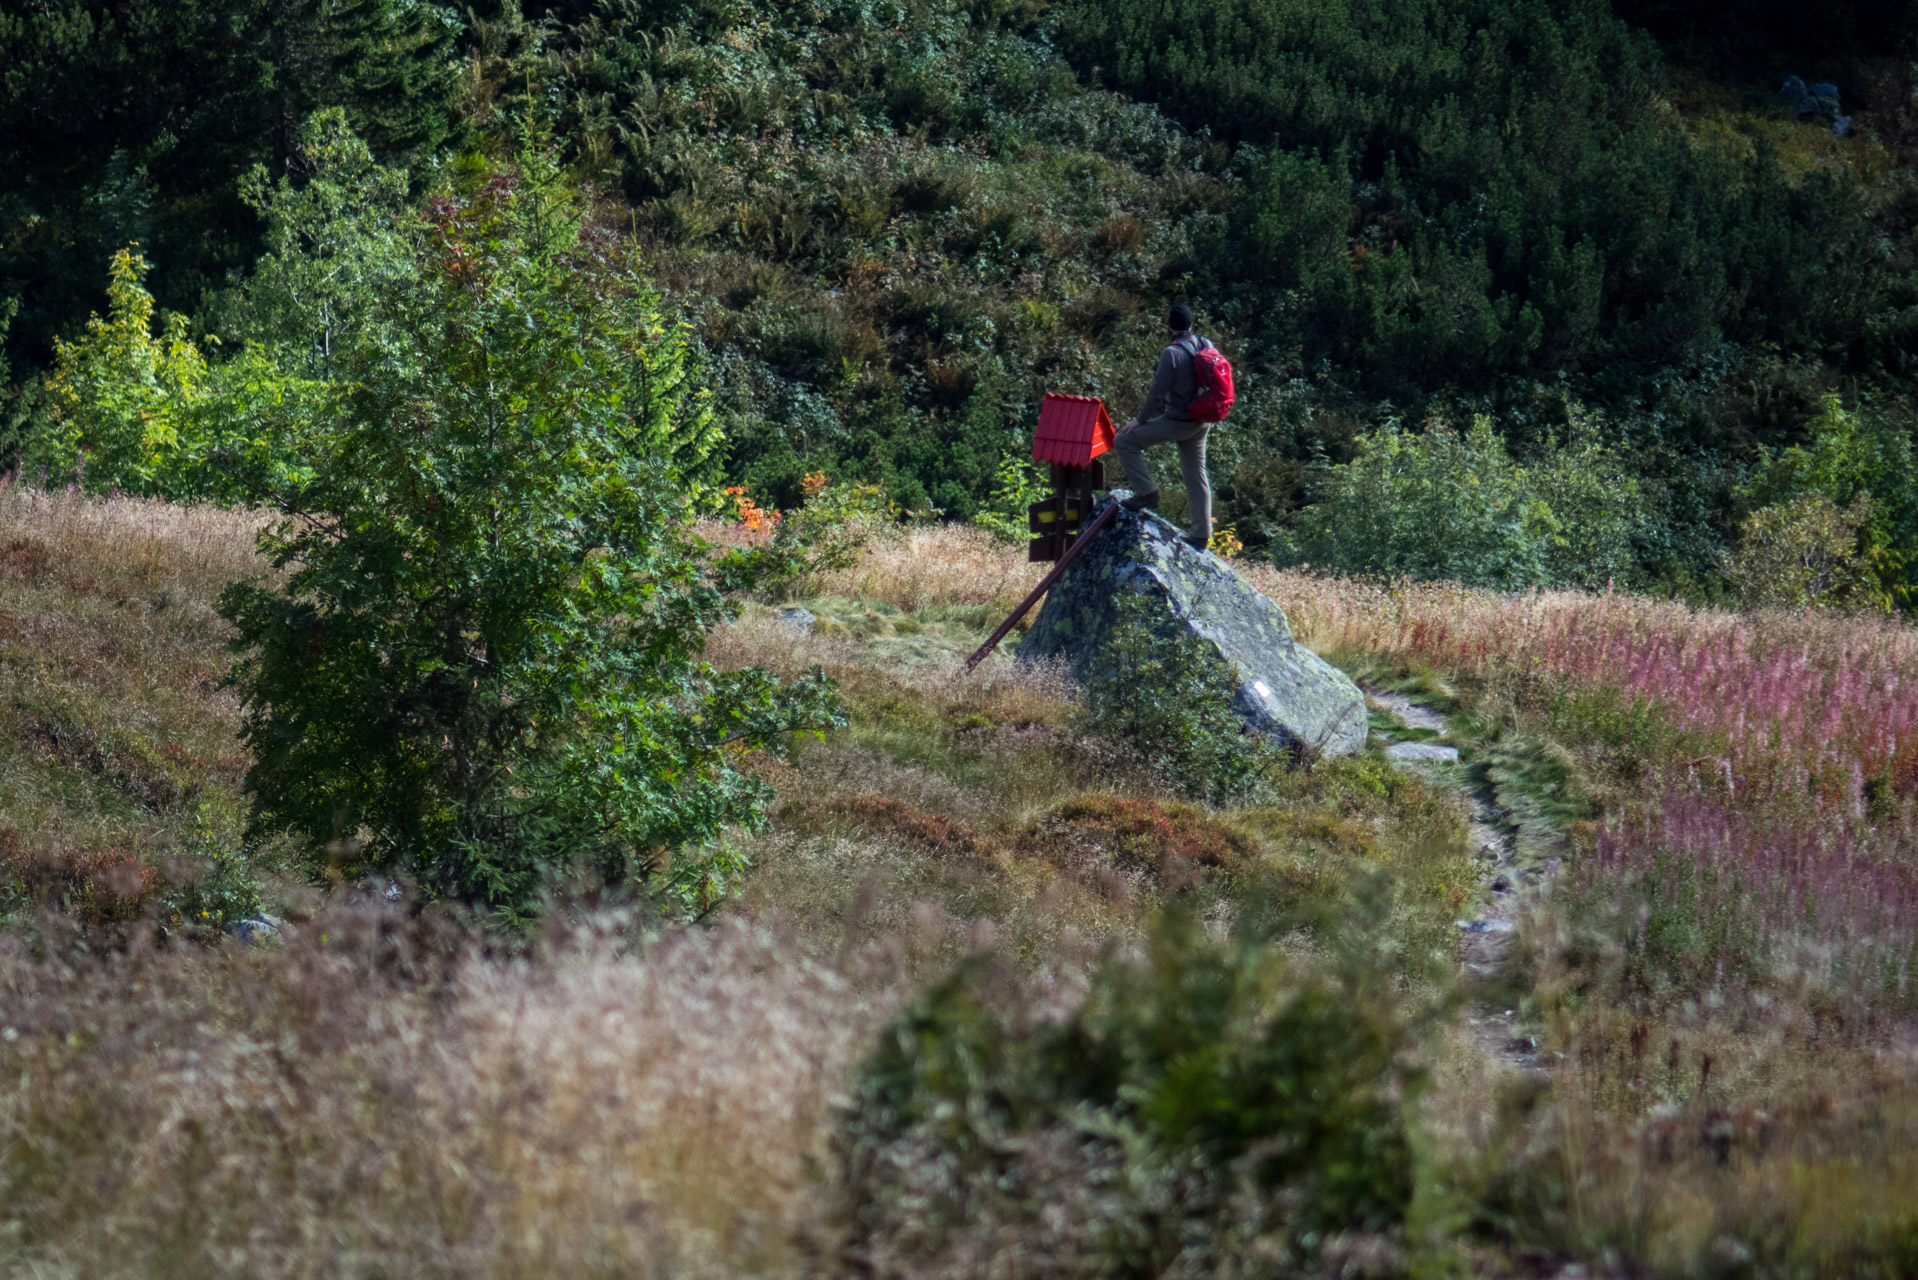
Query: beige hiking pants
pixel 1190 437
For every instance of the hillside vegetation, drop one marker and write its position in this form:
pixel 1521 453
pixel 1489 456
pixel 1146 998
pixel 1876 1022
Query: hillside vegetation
pixel 495 507
pixel 894 225
pixel 1713 985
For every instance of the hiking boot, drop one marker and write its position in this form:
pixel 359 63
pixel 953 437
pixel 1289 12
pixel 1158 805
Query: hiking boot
pixel 1197 543
pixel 1141 501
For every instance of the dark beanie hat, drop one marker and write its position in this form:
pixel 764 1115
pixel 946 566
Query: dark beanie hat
pixel 1181 317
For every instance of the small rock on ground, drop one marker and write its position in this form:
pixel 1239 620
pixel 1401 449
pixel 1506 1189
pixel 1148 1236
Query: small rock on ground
pixel 1421 751
pixel 1414 715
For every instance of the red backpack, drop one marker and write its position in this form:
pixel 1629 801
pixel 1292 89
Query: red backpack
pixel 1213 372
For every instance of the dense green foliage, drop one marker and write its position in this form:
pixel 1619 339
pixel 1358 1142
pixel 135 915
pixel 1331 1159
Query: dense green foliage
pixel 1850 455
pixel 1203 1112
pixel 134 122
pixel 1457 188
pixel 160 414
pixel 1807 553
pixel 483 668
pixel 897 224
pixel 893 226
pixel 1456 506
pixel 151 414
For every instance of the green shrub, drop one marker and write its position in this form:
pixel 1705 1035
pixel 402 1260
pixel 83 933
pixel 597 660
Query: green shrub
pixel 1603 514
pixel 1169 696
pixel 166 416
pixel 141 126
pixel 1205 1111
pixel 1457 507
pixel 1848 456
pixel 1006 513
pixel 1807 554
pixel 483 666
pixel 152 415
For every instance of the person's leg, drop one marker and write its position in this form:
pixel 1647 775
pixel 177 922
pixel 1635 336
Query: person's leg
pixel 1198 485
pixel 1130 446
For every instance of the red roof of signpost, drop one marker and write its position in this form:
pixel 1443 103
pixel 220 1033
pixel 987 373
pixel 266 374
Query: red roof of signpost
pixel 1073 430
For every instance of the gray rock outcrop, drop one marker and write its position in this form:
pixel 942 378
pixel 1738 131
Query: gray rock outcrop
pixel 1819 99
pixel 1285 689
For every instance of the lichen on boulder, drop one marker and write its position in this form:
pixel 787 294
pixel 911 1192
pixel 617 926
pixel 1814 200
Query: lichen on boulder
pixel 1285 690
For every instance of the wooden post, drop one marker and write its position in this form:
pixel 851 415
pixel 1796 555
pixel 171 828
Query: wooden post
pixel 1045 584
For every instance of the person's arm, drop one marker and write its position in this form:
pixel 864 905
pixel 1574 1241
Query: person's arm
pixel 1161 385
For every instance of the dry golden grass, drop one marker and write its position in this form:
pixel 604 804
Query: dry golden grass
pixel 126 546
pixel 116 740
pixel 937 566
pixel 384 1097
pixel 917 567
pixel 375 1101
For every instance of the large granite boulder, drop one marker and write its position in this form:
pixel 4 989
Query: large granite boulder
pixel 1285 689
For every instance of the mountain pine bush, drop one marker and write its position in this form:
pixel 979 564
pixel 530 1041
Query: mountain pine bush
pixel 1456 189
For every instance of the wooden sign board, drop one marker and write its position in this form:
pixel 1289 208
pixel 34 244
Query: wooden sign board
pixel 1056 521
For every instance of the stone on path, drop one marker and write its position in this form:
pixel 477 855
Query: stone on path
pixel 1422 751
pixel 1285 689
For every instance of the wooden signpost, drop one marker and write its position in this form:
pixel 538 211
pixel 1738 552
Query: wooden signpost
pixel 1073 432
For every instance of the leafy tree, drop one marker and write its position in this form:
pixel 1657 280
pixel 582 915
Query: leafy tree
pixel 1807 553
pixel 1848 455
pixel 331 240
pixel 482 667
pixel 1456 506
pixel 1438 505
pixel 152 414
pixel 167 416
pixel 123 395
pixel 1601 510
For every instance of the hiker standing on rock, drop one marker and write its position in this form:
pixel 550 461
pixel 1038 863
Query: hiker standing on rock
pixel 1191 390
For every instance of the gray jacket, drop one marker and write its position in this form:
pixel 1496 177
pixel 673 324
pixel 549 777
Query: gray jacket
pixel 1174 383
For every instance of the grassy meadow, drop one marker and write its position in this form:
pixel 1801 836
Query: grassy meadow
pixel 1711 991
pixel 496 499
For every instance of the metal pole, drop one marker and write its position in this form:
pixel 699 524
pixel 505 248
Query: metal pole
pixel 1099 522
